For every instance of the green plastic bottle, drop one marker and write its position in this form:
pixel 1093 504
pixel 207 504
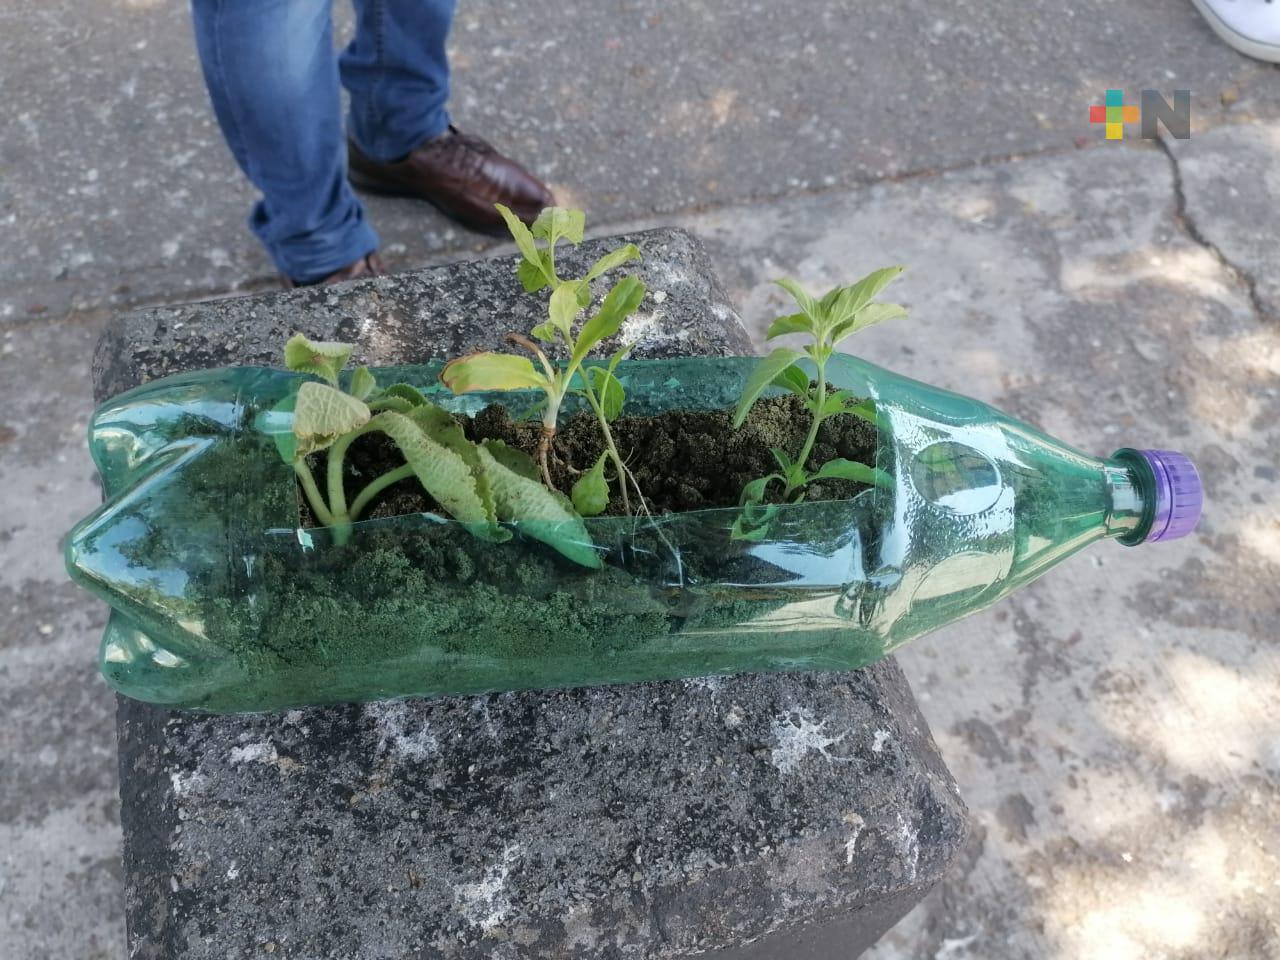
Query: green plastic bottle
pixel 221 602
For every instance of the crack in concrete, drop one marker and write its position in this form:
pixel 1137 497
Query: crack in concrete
pixel 1182 217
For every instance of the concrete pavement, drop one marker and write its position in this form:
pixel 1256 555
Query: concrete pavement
pixel 1115 728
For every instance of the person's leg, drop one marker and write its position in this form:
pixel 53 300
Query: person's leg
pixel 273 80
pixel 397 72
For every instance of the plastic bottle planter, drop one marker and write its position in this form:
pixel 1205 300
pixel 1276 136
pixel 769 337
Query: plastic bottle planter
pixel 221 603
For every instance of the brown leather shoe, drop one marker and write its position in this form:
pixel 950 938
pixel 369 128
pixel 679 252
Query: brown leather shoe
pixel 461 175
pixel 370 265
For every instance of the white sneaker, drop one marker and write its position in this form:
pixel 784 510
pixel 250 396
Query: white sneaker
pixel 1250 26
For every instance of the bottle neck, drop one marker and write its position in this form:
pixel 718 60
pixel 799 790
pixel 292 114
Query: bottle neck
pixel 1130 499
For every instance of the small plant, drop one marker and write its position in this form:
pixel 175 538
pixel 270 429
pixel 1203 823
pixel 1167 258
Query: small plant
pixel 481 485
pixel 599 386
pixel 829 321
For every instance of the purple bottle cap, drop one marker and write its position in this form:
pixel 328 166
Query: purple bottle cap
pixel 1179 494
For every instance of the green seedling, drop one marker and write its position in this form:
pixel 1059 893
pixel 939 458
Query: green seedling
pixel 829 321
pixel 598 385
pixel 481 485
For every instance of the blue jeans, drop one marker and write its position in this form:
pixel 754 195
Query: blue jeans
pixel 273 77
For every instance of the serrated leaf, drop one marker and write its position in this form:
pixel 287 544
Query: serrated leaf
pixel 791 323
pixel 520 234
pixel 608 392
pixel 564 307
pixel 514 459
pixel 533 276
pixel 492 371
pixel 793 378
pixel 841 469
pixel 383 402
pixel 537 512
pixel 803 300
pixel 363 383
pixel 765 372
pixel 590 494
pixel 443 473
pixel 620 302
pixel 405 391
pixel 868 316
pixel 316 357
pixel 557 223
pixel 612 259
pixel 322 414
pixel 439 425
pixel 842 303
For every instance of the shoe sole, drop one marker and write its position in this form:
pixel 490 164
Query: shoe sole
pixel 1267 52
pixel 361 183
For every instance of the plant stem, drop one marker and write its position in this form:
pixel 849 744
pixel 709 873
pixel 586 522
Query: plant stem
pixel 618 466
pixel 337 488
pixel 375 487
pixel 313 493
pixel 807 449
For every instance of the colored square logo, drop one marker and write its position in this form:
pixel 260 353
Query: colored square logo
pixel 1114 113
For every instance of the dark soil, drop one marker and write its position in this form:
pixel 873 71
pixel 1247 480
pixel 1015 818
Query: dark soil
pixel 683 459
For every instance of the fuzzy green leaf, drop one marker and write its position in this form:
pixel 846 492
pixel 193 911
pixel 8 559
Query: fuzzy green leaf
pixel 384 402
pixel 590 493
pixel 608 391
pixel 444 473
pixel 538 512
pixel 803 300
pixel 492 371
pixel 868 316
pixel 614 258
pixel 316 357
pixel 363 383
pixel 520 234
pixel 546 332
pixel 841 469
pixel 765 372
pixel 322 414
pixel 564 307
pixel 405 391
pixel 533 275
pixel 438 424
pixel 557 223
pixel 793 378
pixel 514 459
pixel 782 458
pixel 619 303
pixel 791 323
